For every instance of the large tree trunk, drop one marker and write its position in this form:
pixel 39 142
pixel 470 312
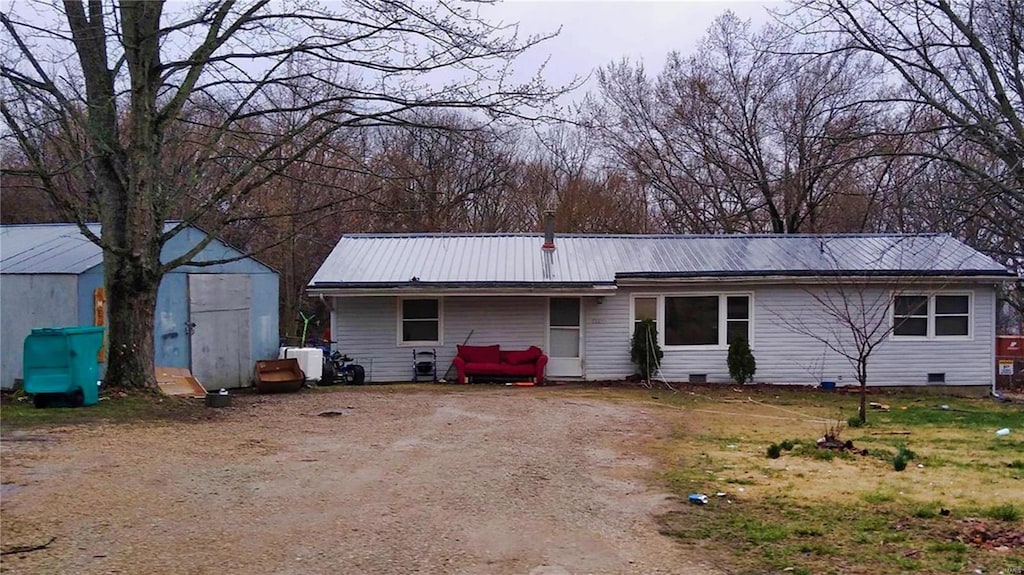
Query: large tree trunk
pixel 132 224
pixel 132 289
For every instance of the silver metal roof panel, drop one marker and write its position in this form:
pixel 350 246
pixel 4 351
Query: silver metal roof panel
pixel 367 260
pixel 47 249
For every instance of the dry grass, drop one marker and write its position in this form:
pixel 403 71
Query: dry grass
pixel 816 512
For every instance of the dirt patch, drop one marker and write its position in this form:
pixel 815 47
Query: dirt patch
pixel 499 481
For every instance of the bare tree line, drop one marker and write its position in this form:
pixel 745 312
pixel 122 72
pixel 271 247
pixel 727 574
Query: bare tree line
pixel 865 116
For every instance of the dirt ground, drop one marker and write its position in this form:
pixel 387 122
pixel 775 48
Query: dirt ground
pixel 493 481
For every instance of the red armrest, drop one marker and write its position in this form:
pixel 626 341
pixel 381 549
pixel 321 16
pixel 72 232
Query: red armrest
pixel 460 369
pixel 542 362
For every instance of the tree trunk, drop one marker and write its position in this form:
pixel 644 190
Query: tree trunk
pixel 862 376
pixel 131 296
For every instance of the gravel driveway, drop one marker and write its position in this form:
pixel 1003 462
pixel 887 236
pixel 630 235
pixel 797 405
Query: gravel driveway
pixel 403 480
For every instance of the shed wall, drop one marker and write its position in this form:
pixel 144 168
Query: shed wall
pixel 27 302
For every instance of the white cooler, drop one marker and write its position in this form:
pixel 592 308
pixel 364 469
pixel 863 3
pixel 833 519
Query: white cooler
pixel 311 360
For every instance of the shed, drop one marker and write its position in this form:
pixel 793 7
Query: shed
pixel 215 320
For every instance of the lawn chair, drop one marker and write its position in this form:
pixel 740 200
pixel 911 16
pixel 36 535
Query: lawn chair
pixel 424 364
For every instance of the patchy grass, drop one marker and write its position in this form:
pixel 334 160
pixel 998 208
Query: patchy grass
pixel 813 510
pixel 17 412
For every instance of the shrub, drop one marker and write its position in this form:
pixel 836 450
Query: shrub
pixel 741 361
pixel 854 422
pixel 787 444
pixel 644 349
pixel 899 463
pixel 903 451
pixel 774 451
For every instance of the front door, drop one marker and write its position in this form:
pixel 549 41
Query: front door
pixel 565 337
pixel 219 318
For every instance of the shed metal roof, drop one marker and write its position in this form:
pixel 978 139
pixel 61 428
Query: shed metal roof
pixel 47 249
pixel 63 249
pixel 364 261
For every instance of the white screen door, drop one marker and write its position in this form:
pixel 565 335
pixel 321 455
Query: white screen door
pixel 565 337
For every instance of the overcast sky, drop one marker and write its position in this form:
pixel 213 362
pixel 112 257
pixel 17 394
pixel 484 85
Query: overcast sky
pixel 595 33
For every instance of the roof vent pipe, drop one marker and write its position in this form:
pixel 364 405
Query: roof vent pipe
pixel 549 230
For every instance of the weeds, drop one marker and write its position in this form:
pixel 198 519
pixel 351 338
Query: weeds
pixel 1006 512
pixel 903 455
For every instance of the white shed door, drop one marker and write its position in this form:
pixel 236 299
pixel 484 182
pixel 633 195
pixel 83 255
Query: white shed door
pixel 219 313
pixel 565 337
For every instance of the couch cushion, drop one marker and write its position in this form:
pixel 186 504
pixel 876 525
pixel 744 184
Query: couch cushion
pixel 520 357
pixel 500 369
pixel 486 368
pixel 480 353
pixel 523 369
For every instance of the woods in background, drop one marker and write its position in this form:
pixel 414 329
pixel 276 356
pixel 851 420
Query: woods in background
pixel 830 119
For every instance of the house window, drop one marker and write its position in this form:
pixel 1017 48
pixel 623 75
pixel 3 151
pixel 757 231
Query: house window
pixel 910 315
pixel 420 321
pixel 696 320
pixel 737 319
pixel 645 308
pixel 952 315
pixel 691 320
pixel 945 315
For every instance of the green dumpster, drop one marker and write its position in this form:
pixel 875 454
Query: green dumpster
pixel 61 364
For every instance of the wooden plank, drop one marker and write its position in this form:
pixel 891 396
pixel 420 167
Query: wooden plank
pixel 178 381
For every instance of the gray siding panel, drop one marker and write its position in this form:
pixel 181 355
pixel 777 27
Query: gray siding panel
pixel 366 329
pixel 27 302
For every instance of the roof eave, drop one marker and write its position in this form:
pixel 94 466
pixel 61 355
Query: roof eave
pixel 459 288
pixel 809 276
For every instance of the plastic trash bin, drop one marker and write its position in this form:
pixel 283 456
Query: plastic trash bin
pixel 61 363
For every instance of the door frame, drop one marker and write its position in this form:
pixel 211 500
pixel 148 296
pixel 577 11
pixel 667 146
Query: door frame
pixel 572 370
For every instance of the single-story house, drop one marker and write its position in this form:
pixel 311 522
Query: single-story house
pixel 215 320
pixel 578 297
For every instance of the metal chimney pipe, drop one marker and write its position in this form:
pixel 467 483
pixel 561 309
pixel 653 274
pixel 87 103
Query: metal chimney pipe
pixel 549 230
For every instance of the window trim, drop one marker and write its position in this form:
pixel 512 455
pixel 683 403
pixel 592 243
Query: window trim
pixel 400 314
pixel 723 320
pixel 931 336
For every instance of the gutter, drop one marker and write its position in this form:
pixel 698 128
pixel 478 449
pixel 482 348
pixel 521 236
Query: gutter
pixel 424 289
pixel 632 279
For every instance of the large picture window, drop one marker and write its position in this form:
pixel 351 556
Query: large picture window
pixel 420 321
pixel 696 320
pixel 941 315
pixel 691 320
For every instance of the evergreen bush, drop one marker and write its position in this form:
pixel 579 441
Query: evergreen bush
pixel 741 361
pixel 644 349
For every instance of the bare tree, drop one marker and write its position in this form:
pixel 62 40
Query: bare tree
pixel 853 313
pixel 741 137
pixel 121 84
pixel 955 69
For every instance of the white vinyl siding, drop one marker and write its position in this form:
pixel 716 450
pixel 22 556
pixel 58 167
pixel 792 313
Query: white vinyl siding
pixel 786 357
pixel 366 328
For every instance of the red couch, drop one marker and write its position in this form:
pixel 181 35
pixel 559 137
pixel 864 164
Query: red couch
pixel 492 361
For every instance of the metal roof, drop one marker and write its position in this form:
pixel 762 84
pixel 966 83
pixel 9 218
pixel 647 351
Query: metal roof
pixel 365 261
pixel 47 249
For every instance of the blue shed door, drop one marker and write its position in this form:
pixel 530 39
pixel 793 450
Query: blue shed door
pixel 219 313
